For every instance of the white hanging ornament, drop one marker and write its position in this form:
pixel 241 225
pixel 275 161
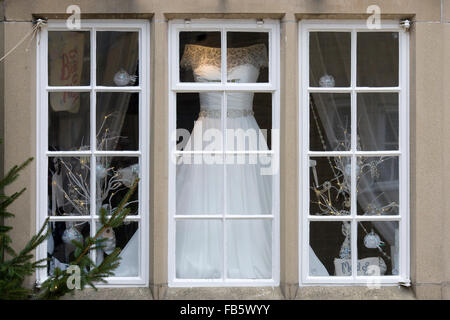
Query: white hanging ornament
pixel 129 174
pixel 100 171
pixel 372 240
pixel 122 78
pixel 326 81
pixel 72 234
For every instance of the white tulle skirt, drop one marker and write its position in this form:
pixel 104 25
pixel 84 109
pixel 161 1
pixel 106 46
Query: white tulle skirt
pixel 200 191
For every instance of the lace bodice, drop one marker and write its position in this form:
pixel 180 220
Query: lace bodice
pixel 197 55
pixel 243 66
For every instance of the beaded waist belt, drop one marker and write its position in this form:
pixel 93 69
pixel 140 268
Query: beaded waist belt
pixel 231 113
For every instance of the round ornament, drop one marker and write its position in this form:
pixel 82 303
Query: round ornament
pixel 372 240
pixel 72 234
pixel 100 171
pixel 326 81
pixel 122 78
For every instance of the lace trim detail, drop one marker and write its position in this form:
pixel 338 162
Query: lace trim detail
pixel 231 113
pixel 197 55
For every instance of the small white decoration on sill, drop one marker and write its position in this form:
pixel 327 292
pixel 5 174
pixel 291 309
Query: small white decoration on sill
pixel 71 234
pixel 122 78
pixel 326 81
pixel 372 266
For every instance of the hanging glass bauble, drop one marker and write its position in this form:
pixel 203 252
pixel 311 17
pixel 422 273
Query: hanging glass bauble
pixel 122 78
pixel 326 81
pixel 72 234
pixel 100 171
pixel 372 240
pixel 129 174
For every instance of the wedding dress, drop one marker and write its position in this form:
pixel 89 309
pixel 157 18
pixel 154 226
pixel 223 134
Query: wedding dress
pixel 199 186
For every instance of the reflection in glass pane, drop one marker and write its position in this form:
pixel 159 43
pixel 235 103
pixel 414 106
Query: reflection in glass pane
pixel 249 184
pixel 377 121
pixel 117 121
pixel 329 59
pixel 249 121
pixel 68 121
pixel 126 238
pixel 378 248
pixel 330 186
pixel 69 190
pixel 247 57
pixel 249 249
pixel 330 122
pixel 68 58
pixel 200 56
pixel 60 249
pixel 377 59
pixel 199 184
pixel 199 121
pixel 199 249
pixel 114 177
pixel 330 248
pixel 117 58
pixel 378 185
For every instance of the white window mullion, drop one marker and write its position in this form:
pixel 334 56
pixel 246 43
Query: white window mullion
pixel 93 139
pixel 224 166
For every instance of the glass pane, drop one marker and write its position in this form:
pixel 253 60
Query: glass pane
pixel 249 184
pixel 330 186
pixel 247 57
pixel 199 121
pixel 117 121
pixel 69 58
pixel 199 184
pixel 126 238
pixel 60 249
pixel 378 248
pixel 249 121
pixel 377 59
pixel 330 122
pixel 199 249
pixel 378 186
pixel 68 121
pixel 114 177
pixel 249 249
pixel 329 59
pixel 200 56
pixel 69 190
pixel 117 58
pixel 330 249
pixel 377 121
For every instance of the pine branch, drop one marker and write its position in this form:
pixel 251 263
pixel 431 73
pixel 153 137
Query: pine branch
pixel 56 285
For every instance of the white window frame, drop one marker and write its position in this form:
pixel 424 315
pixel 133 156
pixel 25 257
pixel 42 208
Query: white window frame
pixel 272 86
pixel 42 153
pixel 402 89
